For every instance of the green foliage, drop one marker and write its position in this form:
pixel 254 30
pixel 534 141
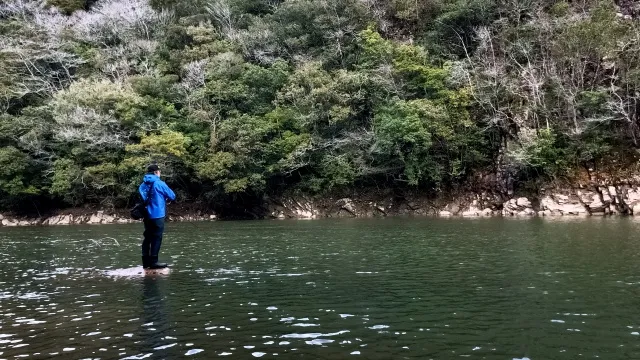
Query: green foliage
pixel 103 96
pixel 337 171
pixel 451 33
pixel 14 171
pixel 217 166
pixel 596 36
pixel 161 87
pixel 67 181
pixel 322 101
pixel 545 154
pixel 592 103
pixel 68 6
pixel 560 9
pixel 249 97
pixel 166 143
pixel 409 65
pixel 424 138
pixel 315 27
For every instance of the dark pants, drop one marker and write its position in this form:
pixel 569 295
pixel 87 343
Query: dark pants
pixel 153 229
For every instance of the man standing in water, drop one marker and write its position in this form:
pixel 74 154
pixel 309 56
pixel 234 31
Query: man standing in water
pixel 158 193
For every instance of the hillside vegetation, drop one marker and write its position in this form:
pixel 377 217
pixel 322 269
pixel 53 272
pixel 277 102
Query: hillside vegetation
pixel 236 99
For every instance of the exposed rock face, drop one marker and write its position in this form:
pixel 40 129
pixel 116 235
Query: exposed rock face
pixel 300 208
pixel 562 205
pixel 58 220
pixel 347 205
pixel 518 207
pixel 7 222
pixel 101 218
pixel 605 200
pixel 473 210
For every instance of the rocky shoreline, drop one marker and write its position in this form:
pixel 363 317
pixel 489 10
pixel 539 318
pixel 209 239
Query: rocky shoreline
pixel 97 218
pixel 597 201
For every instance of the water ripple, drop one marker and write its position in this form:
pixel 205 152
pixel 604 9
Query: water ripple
pixel 334 289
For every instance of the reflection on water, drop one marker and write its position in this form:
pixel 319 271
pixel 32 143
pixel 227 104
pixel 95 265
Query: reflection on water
pixel 374 289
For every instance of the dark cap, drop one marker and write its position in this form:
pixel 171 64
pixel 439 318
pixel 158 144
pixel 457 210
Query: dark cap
pixel 153 168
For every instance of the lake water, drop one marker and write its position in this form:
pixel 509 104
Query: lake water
pixel 327 289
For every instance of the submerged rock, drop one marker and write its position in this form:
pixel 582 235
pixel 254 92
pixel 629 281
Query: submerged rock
pixel 138 271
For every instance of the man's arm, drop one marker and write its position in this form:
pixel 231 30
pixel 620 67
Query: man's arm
pixel 142 193
pixel 167 192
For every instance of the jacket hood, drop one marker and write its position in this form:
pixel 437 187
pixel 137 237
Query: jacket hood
pixel 150 178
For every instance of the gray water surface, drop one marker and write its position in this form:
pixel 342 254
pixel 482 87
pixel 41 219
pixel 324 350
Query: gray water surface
pixel 327 289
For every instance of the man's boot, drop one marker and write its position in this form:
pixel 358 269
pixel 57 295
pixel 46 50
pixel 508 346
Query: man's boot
pixel 146 261
pixel 154 264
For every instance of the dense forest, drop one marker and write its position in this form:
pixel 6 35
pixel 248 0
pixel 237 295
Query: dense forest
pixel 238 99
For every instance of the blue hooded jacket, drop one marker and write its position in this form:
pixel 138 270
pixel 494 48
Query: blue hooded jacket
pixel 160 193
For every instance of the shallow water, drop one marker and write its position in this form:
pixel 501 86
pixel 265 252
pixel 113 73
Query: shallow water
pixel 327 289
